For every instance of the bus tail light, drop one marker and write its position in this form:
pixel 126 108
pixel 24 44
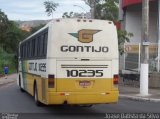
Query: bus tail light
pixel 115 79
pixel 51 81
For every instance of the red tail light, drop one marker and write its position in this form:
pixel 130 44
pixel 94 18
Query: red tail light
pixel 115 79
pixel 51 81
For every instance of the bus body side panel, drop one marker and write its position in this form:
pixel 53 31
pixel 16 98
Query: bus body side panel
pixel 115 71
pixel 23 74
pixel 35 71
pixel 20 80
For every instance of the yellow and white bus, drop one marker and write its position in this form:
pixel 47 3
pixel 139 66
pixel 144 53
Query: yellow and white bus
pixel 71 61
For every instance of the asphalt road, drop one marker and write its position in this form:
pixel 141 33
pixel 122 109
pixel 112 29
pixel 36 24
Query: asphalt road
pixel 12 100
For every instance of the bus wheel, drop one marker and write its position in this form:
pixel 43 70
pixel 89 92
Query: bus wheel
pixel 22 90
pixel 36 96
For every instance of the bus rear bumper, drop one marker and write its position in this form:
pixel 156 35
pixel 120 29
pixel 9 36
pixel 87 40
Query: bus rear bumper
pixel 82 98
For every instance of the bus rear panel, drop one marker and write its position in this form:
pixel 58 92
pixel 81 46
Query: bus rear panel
pixel 85 56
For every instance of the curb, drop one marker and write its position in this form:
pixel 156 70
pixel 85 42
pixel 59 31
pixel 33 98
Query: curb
pixel 2 84
pixel 138 98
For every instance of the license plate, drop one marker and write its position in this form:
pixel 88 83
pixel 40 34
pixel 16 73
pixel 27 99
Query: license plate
pixel 84 83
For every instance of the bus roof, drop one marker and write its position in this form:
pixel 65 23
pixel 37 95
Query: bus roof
pixel 58 20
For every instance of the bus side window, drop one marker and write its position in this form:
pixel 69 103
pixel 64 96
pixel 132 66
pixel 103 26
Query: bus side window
pixel 30 49
pixel 33 48
pixel 36 47
pixel 45 44
pixel 27 49
pixel 41 45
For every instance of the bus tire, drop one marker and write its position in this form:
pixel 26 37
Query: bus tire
pixel 36 95
pixel 22 90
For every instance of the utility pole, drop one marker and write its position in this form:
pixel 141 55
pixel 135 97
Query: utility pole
pixel 144 49
pixel 120 11
pixel 92 5
pixel 158 67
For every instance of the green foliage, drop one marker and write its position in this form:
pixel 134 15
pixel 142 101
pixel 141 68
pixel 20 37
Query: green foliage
pixel 123 37
pixel 107 9
pixel 10 36
pixel 50 6
pixel 7 60
pixel 92 2
pixel 3 26
pixel 72 15
pixel 68 15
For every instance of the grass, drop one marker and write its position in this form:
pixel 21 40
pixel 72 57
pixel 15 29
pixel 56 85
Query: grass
pixel 7 60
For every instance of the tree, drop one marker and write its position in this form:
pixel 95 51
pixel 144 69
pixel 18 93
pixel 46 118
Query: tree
pixel 92 4
pixel 10 34
pixel 108 10
pixel 104 9
pixel 123 37
pixel 73 15
pixel 50 7
pixel 68 15
pixel 12 37
pixel 3 27
pixel 3 20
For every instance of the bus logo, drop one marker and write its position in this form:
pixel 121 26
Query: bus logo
pixel 85 35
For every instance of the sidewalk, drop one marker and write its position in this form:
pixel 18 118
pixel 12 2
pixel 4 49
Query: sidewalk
pixel 10 79
pixel 130 92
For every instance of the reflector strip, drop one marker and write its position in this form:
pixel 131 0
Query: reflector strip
pixel 84 66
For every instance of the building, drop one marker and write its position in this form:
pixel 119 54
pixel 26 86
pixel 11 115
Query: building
pixel 130 15
pixel 131 21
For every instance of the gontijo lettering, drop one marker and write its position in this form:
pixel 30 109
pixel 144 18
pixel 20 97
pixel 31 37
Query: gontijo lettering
pixel 37 67
pixel 66 48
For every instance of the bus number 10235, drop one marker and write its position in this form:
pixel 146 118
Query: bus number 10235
pixel 84 73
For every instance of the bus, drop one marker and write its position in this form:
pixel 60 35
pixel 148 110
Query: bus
pixel 71 61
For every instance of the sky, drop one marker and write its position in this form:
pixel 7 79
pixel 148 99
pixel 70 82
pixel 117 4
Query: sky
pixel 35 10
